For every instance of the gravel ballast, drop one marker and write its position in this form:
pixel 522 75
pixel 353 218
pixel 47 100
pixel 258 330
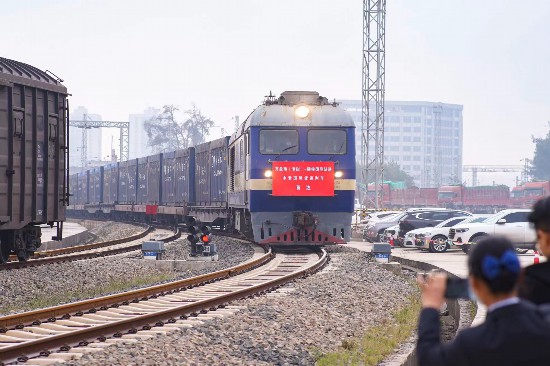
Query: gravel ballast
pixel 109 230
pixel 27 288
pixel 301 321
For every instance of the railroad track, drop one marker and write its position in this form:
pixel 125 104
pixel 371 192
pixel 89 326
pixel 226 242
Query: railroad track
pixel 72 329
pixel 88 251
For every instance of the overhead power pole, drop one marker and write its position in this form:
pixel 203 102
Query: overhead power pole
pixel 372 117
pixel 86 124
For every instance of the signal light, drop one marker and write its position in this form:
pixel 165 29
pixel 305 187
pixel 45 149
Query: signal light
pixel 193 229
pixel 205 237
pixel 193 238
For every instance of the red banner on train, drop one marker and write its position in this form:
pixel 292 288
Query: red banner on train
pixel 302 178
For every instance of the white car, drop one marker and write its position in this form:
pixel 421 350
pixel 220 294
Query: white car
pixel 390 233
pixel 412 238
pixel 436 239
pixel 512 224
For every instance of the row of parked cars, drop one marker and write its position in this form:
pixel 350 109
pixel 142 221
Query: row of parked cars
pixel 437 230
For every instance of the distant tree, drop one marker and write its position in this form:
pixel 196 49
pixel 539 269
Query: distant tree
pixel 540 165
pixel 197 126
pixel 166 132
pixel 392 172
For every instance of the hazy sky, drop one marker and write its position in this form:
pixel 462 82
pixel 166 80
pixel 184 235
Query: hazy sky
pixel 119 57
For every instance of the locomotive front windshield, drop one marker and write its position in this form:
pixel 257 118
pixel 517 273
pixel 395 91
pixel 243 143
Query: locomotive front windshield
pixel 279 142
pixel 326 142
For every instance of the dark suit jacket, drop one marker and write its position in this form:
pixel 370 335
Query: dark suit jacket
pixel 512 335
pixel 534 284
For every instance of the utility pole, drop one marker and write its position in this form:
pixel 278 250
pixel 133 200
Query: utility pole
pixel 525 172
pixel 84 143
pixel 373 91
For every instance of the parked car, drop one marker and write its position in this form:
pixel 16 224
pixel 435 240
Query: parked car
pixel 436 239
pixel 390 234
pixel 512 224
pixel 426 218
pixel 374 231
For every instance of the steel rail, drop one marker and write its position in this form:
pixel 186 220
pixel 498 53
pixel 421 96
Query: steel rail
pixel 82 337
pixel 40 315
pixel 79 248
pixel 73 255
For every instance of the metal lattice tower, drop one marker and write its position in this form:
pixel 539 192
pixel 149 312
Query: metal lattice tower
pixel 86 124
pixel 372 118
pixel 437 151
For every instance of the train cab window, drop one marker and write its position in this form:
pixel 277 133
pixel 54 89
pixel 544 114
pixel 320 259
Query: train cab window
pixel 279 142
pixel 326 142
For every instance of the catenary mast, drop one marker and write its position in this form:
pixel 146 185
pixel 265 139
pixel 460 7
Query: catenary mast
pixel 372 117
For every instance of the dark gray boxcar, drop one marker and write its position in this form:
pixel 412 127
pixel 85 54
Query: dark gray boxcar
pixel 96 185
pixel 177 177
pixel 142 181
pixel 82 188
pixel 211 172
pixel 127 171
pixel 33 125
pixel 154 188
pixel 110 183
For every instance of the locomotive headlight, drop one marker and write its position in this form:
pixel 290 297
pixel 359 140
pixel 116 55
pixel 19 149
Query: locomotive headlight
pixel 268 173
pixel 302 111
pixel 338 174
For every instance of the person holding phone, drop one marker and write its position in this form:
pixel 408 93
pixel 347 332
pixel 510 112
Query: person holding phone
pixel 535 280
pixel 515 331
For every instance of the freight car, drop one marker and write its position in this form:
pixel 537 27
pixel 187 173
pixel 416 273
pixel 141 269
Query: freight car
pixel 33 156
pixel 287 176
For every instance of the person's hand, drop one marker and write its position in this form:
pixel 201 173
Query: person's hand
pixel 433 289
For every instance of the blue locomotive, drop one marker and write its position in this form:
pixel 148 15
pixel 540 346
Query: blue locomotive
pixel 286 176
pixel 292 171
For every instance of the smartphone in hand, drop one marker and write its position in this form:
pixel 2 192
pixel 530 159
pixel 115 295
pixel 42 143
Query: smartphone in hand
pixel 457 288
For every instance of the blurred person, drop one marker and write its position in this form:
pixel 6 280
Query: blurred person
pixel 514 332
pixel 535 280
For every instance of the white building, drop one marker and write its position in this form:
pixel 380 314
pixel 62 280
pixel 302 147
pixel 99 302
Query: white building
pixel 424 138
pixel 138 136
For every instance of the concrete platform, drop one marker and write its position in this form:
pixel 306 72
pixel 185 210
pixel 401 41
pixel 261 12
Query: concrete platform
pixel 73 234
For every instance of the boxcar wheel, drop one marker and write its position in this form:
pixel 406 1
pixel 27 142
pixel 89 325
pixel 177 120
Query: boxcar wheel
pixel 23 255
pixel 5 251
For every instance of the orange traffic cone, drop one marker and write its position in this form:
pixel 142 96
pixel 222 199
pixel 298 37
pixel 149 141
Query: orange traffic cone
pixel 536 260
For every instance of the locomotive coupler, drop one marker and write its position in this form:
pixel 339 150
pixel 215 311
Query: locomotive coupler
pixel 304 220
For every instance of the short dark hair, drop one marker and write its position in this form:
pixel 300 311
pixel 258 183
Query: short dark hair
pixel 504 280
pixel 540 216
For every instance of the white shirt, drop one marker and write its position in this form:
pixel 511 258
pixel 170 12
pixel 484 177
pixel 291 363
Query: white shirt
pixel 502 303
